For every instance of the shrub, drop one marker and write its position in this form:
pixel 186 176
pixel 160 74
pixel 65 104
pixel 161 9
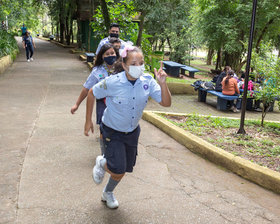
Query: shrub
pixel 8 44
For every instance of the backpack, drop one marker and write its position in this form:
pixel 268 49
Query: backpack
pixel 197 84
pixel 208 85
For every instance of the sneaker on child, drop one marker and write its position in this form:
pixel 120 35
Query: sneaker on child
pixel 110 200
pixel 98 171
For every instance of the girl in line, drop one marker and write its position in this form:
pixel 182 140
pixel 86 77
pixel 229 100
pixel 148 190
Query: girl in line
pixel 127 94
pixel 103 67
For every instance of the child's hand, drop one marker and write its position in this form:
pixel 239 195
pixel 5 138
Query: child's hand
pixel 74 108
pixel 88 126
pixel 160 74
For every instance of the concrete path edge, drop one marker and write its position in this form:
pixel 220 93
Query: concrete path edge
pixel 262 176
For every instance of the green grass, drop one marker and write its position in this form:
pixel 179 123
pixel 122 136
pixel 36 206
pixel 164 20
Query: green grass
pixel 259 143
pixel 177 80
pixel 201 65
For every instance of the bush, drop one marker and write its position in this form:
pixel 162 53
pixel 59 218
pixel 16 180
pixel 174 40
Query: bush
pixel 8 44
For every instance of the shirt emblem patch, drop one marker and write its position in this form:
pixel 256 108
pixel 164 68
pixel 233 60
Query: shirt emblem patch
pixel 101 76
pixel 103 85
pixel 145 87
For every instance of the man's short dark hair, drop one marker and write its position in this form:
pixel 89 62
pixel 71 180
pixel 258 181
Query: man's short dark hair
pixel 114 40
pixel 114 25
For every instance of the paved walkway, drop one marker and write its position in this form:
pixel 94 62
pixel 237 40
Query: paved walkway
pixel 46 162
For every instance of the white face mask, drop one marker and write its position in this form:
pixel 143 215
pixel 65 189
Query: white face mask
pixel 136 71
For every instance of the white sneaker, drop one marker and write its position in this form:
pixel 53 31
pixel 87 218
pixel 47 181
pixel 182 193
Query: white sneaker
pixel 110 199
pixel 28 60
pixel 31 59
pixel 98 172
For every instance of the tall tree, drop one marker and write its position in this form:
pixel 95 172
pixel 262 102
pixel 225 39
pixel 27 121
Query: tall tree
pixel 224 25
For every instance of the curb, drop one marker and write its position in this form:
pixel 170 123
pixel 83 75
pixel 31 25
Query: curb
pixel 61 45
pixel 56 42
pixel 181 88
pixel 5 62
pixel 260 175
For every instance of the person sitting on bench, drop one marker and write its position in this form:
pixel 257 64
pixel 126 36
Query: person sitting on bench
pixel 220 78
pixel 229 87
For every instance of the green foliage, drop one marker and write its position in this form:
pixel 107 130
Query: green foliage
pixel 267 66
pixel 168 21
pixel 225 25
pixel 8 44
pixel 18 12
pixel 145 46
pixel 120 12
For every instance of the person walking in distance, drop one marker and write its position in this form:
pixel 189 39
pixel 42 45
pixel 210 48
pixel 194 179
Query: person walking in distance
pixel 126 94
pixel 28 45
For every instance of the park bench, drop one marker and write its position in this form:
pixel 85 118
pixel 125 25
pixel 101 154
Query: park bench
pixel 90 57
pixel 190 70
pixel 222 100
pixel 173 68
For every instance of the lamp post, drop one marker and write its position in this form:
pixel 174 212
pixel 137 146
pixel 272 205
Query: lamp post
pixel 248 65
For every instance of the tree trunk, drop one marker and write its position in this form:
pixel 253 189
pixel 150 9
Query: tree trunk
pixel 161 46
pixel 67 30
pixel 61 21
pixel 155 46
pixel 241 64
pixel 106 15
pixel 169 44
pixel 233 60
pixel 57 31
pixel 218 62
pixel 71 31
pixel 79 34
pixel 210 56
pixel 141 27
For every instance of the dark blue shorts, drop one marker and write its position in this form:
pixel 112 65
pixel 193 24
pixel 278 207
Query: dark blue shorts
pixel 121 149
pixel 100 107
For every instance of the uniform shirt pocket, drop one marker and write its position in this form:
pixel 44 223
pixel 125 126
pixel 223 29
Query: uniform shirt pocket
pixel 121 103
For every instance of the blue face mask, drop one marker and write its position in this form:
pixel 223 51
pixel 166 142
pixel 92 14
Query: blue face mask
pixel 110 60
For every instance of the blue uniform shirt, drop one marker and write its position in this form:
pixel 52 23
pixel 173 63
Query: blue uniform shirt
pixel 28 40
pixel 98 73
pixel 106 41
pixel 23 30
pixel 126 102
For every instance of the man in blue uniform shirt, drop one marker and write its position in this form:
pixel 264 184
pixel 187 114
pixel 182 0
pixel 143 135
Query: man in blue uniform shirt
pixel 113 32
